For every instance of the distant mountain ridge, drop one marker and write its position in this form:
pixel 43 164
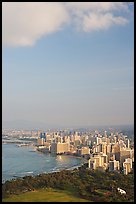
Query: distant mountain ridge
pixel 24 124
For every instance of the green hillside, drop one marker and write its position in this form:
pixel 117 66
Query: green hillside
pixel 49 195
pixel 96 186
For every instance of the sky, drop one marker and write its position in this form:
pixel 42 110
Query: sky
pixel 68 64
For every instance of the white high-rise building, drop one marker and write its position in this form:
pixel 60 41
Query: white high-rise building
pixel 98 140
pixel 127 143
pixel 129 161
pixel 97 160
pixel 126 167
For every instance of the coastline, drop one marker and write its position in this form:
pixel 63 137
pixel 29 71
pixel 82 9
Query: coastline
pixel 62 165
pixel 84 160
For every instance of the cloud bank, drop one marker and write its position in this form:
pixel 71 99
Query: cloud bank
pixel 23 23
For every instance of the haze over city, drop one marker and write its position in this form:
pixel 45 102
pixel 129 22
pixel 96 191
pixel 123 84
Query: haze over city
pixel 68 64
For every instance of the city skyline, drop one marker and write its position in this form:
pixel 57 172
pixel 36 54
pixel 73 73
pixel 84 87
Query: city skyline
pixel 69 64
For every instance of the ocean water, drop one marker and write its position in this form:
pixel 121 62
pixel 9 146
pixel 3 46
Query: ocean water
pixel 22 161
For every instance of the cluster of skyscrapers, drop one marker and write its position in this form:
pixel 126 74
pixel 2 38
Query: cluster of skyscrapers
pixel 112 152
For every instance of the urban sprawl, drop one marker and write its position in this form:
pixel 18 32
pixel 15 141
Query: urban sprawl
pixel 102 151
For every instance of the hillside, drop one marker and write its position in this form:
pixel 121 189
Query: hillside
pixel 96 186
pixel 46 195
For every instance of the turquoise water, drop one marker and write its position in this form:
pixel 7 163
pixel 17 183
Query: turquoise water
pixel 22 161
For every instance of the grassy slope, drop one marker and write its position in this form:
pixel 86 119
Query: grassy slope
pixel 48 195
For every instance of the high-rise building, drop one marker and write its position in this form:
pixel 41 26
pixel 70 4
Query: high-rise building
pixel 105 158
pixel 126 167
pixel 98 140
pixel 77 142
pixel 66 139
pixel 102 148
pixel 40 141
pixel 108 148
pixel 76 137
pixel 59 139
pixel 83 151
pixel 124 154
pixel 132 154
pixel 105 133
pixel 127 143
pixel 129 161
pixel 97 160
pixel 58 148
pixel 116 151
pixel 40 134
pixel 114 165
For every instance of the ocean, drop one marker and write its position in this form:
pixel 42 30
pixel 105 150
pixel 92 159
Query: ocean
pixel 23 161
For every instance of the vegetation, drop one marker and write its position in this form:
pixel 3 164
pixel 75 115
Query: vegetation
pixel 95 185
pixel 45 195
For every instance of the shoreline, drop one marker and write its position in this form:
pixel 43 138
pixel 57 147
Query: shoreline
pixel 83 160
pixel 50 172
pixel 63 154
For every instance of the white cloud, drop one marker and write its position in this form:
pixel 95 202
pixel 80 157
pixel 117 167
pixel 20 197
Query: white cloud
pixel 23 23
pixel 91 16
pixel 97 6
pixel 100 21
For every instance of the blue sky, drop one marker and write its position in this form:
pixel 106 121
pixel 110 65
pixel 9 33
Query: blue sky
pixel 76 74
